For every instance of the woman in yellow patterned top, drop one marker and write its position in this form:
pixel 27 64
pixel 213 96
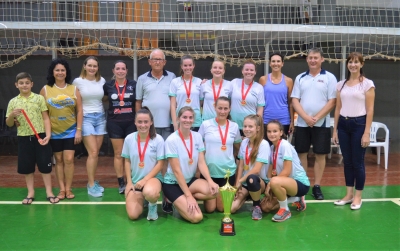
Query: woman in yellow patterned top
pixel 65 110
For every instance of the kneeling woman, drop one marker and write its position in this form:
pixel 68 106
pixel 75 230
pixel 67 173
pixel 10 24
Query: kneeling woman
pixel 288 177
pixel 144 153
pixel 185 152
pixel 253 165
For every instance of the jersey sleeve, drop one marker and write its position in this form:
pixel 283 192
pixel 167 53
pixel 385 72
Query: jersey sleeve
pixel 139 89
pixel 173 88
pixel 368 85
pixel 105 89
pixel 260 96
pixel 160 148
pixel 296 88
pixel 42 104
pixel 125 148
pixel 171 149
pixel 263 152
pixel 242 150
pixel 202 130
pixel 10 108
pixel 201 143
pixel 238 137
pixel 202 86
pixel 286 150
pixel 332 86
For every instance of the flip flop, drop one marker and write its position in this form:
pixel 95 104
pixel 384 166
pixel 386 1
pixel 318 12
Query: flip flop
pixel 29 200
pixel 61 195
pixel 54 198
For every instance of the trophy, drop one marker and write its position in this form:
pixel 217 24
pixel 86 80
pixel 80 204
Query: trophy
pixel 228 194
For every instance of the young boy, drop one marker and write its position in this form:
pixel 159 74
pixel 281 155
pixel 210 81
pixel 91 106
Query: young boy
pixel 31 151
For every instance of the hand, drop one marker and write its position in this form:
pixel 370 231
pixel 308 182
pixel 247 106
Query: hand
pixel 214 188
pixel 16 112
pixel 140 184
pixel 365 140
pixel 239 188
pixel 291 128
pixel 44 141
pixel 267 190
pixel 175 126
pixel 78 137
pixel 16 122
pixel 192 205
pixel 204 80
pixel 335 138
pixel 310 120
pixel 129 187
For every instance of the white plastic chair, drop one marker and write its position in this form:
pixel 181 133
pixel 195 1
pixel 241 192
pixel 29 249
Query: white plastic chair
pixel 373 142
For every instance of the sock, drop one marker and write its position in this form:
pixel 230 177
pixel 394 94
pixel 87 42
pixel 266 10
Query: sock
pixel 121 181
pixel 293 199
pixel 152 204
pixel 283 204
pixel 256 203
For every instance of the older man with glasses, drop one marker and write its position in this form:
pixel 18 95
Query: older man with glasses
pixel 152 91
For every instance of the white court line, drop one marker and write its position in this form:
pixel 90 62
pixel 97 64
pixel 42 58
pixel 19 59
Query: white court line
pixel 394 200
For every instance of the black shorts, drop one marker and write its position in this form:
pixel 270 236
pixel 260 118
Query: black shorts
pixel 59 145
pixel 301 189
pixel 31 153
pixel 318 137
pixel 222 181
pixel 195 129
pixel 120 129
pixel 174 191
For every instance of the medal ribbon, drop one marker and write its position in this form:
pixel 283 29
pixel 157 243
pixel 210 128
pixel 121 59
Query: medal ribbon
pixel 245 94
pixel 188 90
pixel 223 138
pixel 275 155
pixel 122 94
pixel 30 124
pixel 216 95
pixel 141 154
pixel 247 156
pixel 190 153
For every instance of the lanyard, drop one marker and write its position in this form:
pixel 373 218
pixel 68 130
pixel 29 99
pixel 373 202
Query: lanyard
pixel 216 95
pixel 223 138
pixel 190 153
pixel 244 95
pixel 247 156
pixel 188 90
pixel 122 94
pixel 275 157
pixel 30 124
pixel 141 154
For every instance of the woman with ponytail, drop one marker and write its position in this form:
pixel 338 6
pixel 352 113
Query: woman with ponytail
pixel 251 176
pixel 144 158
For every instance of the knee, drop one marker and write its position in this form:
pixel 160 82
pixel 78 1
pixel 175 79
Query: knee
pixel 274 182
pixel 133 215
pixel 117 155
pixel 69 161
pixel 196 218
pixel 151 195
pixel 253 183
pixel 93 153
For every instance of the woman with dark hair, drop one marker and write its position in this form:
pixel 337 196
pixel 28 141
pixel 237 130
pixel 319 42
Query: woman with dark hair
pixel 65 111
pixel 185 91
pixel 247 95
pixel 144 158
pixel 251 176
pixel 90 85
pixel 120 93
pixel 277 91
pixel 287 176
pixel 222 139
pixel 185 152
pixel 353 118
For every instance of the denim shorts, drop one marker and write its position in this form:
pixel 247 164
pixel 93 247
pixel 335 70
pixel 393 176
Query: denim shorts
pixel 94 124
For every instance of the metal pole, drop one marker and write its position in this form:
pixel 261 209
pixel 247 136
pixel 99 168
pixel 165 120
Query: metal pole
pixel 266 65
pixel 216 46
pixel 135 64
pixel 343 64
pixel 53 52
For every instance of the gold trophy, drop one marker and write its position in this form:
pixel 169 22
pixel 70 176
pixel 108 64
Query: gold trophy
pixel 228 194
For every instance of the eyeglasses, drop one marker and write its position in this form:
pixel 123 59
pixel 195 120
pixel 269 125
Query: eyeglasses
pixel 157 59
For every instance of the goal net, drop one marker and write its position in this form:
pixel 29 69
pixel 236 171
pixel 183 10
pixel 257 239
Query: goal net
pixel 231 30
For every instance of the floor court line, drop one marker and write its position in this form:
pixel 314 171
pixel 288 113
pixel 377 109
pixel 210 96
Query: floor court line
pixel 394 200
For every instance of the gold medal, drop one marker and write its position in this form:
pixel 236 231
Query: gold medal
pixel 188 100
pixel 141 164
pixel 121 103
pixel 243 102
pixel 190 161
pixel 246 167
pixel 223 147
pixel 274 172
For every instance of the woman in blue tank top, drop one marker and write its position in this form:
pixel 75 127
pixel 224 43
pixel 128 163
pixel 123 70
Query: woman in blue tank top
pixel 277 91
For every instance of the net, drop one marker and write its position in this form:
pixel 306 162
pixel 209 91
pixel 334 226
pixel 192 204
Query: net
pixel 231 30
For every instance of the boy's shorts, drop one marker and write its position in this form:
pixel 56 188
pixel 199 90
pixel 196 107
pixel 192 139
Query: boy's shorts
pixel 31 153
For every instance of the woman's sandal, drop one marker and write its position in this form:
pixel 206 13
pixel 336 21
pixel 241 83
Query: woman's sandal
pixel 69 195
pixel 61 195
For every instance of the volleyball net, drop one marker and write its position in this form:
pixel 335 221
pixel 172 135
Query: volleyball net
pixel 230 30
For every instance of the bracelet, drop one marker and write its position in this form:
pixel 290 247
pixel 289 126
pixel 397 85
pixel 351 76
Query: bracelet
pixel 80 129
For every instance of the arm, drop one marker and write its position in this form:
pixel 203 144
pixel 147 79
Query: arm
pixel 260 111
pixel 256 170
pixel 263 80
pixel 138 105
pixel 13 115
pixel 289 84
pixel 369 107
pixel 79 117
pixel 236 147
pixel 47 127
pixel 325 110
pixel 335 138
pixel 202 166
pixel 129 184
pixel 287 168
pixel 173 112
pixel 157 168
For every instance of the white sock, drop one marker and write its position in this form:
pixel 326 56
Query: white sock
pixel 152 204
pixel 283 204
pixel 293 199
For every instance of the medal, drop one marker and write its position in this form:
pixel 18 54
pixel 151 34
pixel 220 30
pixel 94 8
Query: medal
pixel 122 94
pixel 190 153
pixel 244 95
pixel 246 167
pixel 141 154
pixel 223 137
pixel 188 90
pixel 274 158
pixel 121 103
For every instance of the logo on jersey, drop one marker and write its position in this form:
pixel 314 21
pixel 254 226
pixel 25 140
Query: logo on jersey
pixel 130 88
pixel 61 101
pixel 123 110
pixel 114 96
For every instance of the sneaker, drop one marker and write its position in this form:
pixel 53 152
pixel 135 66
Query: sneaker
pixel 167 206
pixel 257 214
pixel 301 204
pixel 317 193
pixel 100 188
pixel 94 191
pixel 282 215
pixel 152 214
pixel 121 188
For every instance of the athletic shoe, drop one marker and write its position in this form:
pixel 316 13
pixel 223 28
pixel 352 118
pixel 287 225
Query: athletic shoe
pixel 97 184
pixel 94 191
pixel 257 214
pixel 317 193
pixel 121 188
pixel 301 204
pixel 282 215
pixel 167 206
pixel 152 214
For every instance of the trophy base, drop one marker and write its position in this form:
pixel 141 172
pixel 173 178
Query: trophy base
pixel 227 228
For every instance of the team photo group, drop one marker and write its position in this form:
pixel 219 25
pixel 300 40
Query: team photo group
pixel 180 138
